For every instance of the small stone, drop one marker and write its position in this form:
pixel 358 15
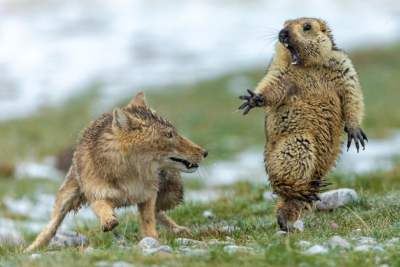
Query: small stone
pixel 298 226
pixel 186 250
pixel 362 248
pixel 148 251
pixel 270 196
pixel 102 264
pixel 91 250
pixel 334 226
pixel 304 244
pixel 35 256
pixel 122 264
pixel 233 249
pixel 384 265
pixel 337 241
pixel 163 253
pixel 148 243
pixel 280 233
pixel 377 260
pixel 120 240
pixel 229 229
pixel 68 239
pixel 389 245
pixel 167 249
pixel 197 252
pixel 357 231
pixel 394 240
pixel 208 214
pixel 317 249
pixel 10 239
pixel 187 241
pixel 378 249
pixel 366 240
pixel 336 198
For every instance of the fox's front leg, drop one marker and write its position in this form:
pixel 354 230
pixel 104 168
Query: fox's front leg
pixel 170 225
pixel 147 213
pixel 105 211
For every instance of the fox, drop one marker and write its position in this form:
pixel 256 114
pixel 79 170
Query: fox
pixel 127 156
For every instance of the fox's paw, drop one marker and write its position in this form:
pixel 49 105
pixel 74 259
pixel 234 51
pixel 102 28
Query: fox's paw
pixel 109 224
pixel 254 100
pixel 358 135
pixel 183 231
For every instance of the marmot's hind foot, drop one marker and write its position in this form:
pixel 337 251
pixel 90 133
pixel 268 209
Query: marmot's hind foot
pixel 283 223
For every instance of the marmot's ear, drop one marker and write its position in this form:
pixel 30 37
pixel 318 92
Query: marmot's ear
pixel 324 28
pixel 138 100
pixel 123 121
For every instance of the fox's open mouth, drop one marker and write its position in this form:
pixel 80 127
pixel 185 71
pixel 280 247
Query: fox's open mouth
pixel 294 56
pixel 187 163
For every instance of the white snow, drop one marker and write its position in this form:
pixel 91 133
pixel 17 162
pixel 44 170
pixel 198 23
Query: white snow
pixel 53 50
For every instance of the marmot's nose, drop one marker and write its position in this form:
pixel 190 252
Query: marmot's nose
pixel 284 35
pixel 205 153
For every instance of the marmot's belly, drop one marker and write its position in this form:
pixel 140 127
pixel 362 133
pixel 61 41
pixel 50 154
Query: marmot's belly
pixel 319 121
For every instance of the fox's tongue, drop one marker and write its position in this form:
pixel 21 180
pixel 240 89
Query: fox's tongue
pixel 295 58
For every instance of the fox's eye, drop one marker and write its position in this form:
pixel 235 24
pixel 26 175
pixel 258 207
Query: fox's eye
pixel 169 135
pixel 307 27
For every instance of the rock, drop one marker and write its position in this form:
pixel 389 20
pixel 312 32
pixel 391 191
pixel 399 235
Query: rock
pixel 298 226
pixel 229 229
pixel 68 239
pixel 317 249
pixel 163 253
pixel 35 256
pixel 10 239
pixel 334 226
pixel 122 264
pixel 186 250
pixel 378 249
pixel 336 198
pixel 357 231
pixel 187 241
pixel 362 248
pixel 384 265
pixel 102 264
pixel 337 241
pixel 208 214
pixel 148 251
pixel 197 252
pixel 233 249
pixel 304 244
pixel 148 243
pixel 394 240
pixel 120 240
pixel 91 250
pixel 167 249
pixel 269 196
pixel 365 240
pixel 280 233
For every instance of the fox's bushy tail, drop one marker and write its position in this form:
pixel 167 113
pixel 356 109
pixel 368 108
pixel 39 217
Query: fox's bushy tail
pixel 68 198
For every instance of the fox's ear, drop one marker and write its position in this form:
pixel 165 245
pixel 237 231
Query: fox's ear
pixel 122 120
pixel 138 100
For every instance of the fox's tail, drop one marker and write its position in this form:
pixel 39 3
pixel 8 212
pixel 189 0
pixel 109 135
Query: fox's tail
pixel 68 198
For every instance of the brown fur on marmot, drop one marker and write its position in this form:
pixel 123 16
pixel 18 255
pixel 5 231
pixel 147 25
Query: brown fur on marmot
pixel 311 93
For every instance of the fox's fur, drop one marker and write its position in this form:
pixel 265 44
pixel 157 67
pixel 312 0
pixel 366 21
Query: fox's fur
pixel 306 106
pixel 128 156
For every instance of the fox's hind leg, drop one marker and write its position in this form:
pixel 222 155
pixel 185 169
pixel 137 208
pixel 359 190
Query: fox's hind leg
pixel 169 196
pixel 105 211
pixel 290 165
pixel 68 199
pixel 147 213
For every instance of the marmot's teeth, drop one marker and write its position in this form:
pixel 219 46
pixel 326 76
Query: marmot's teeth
pixel 286 44
pixel 190 165
pixel 294 63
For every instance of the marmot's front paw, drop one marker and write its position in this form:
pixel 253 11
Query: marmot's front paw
pixel 183 231
pixel 254 100
pixel 310 199
pixel 356 134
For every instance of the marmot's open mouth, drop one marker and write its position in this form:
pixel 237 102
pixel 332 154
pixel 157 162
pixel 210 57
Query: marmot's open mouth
pixel 294 56
pixel 187 163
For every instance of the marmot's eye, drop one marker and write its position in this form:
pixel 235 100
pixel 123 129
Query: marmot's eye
pixel 169 135
pixel 307 27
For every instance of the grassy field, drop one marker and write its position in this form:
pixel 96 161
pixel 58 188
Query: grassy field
pixel 205 113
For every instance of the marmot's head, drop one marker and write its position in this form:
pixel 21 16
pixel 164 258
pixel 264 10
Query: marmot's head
pixel 305 41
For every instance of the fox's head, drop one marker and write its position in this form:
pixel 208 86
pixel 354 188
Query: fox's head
pixel 151 140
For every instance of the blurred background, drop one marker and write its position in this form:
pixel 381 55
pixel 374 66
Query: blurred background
pixel 63 63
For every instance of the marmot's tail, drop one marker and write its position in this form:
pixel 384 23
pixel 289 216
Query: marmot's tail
pixel 298 188
pixel 68 198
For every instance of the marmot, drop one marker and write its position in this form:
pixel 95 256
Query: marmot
pixel 310 92
pixel 128 156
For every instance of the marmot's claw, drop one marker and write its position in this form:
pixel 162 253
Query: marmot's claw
pixel 254 100
pixel 358 135
pixel 318 198
pixel 310 199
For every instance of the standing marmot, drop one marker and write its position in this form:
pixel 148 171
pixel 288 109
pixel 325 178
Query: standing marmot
pixel 310 89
